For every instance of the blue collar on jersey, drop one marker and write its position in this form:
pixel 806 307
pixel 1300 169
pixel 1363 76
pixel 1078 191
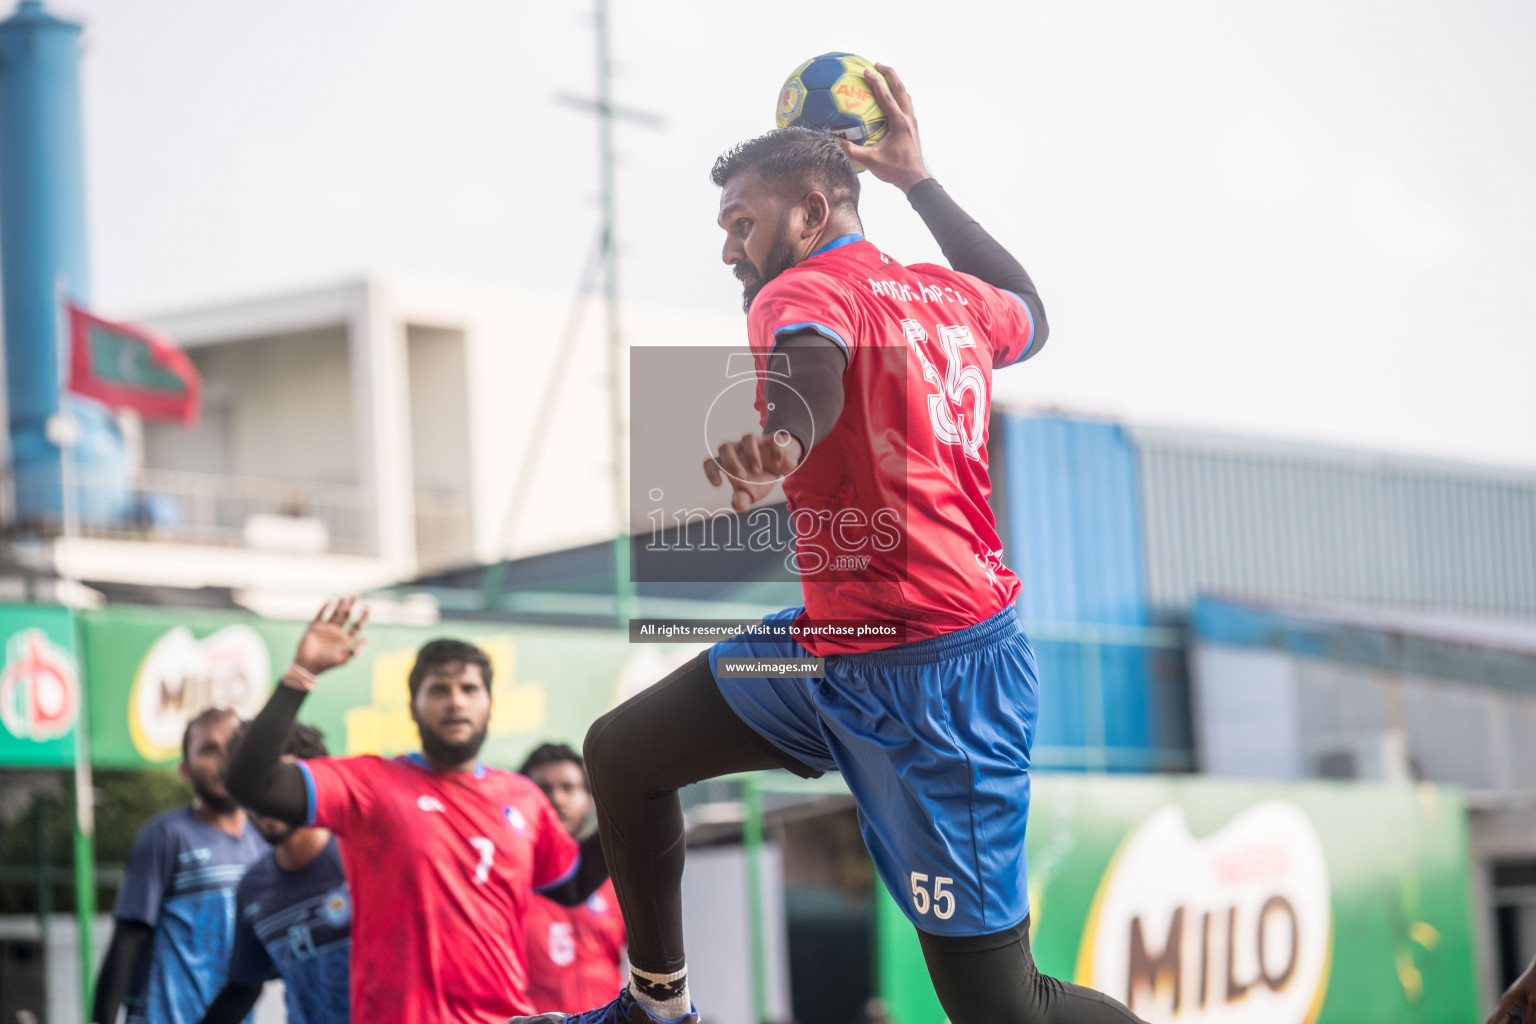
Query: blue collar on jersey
pixel 837 243
pixel 417 759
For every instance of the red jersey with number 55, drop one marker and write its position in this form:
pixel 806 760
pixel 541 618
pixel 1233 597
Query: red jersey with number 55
pixel 442 867
pixel 890 509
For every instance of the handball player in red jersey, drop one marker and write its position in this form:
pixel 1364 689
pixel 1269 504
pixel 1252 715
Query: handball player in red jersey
pixel 875 384
pixel 443 854
pixel 575 954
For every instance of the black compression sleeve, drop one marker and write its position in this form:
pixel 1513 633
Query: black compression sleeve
pixel 257 776
pixel 971 250
pixel 639 754
pixel 232 1004
pixel 588 878
pixel 807 400
pixel 126 959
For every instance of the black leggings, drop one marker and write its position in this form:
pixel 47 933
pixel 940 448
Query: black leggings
pixel 980 982
pixel 682 731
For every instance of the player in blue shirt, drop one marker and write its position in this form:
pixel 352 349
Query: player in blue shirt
pixel 176 907
pixel 293 918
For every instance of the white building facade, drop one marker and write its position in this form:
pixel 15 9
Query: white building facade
pixel 362 434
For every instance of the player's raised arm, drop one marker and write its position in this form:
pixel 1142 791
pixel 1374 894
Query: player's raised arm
pixel 257 775
pixel 898 159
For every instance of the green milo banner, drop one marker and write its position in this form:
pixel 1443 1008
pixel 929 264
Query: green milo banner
pixel 40 691
pixel 149 670
pixel 1224 902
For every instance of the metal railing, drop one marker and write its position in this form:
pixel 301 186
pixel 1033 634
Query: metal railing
pixel 205 508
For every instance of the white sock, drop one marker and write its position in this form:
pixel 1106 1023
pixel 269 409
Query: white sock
pixel 664 995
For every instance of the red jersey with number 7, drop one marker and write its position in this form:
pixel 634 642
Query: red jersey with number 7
pixel 890 510
pixel 442 867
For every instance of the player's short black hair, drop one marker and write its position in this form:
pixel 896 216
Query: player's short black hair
pixel 436 653
pixel 553 753
pixel 303 742
pixel 207 716
pixel 794 156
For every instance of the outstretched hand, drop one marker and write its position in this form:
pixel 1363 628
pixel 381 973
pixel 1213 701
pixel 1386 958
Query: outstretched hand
pixel 330 640
pixel 898 157
pixel 753 465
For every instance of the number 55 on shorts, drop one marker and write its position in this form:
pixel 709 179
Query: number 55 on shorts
pixel 939 900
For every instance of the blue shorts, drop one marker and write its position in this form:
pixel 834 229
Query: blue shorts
pixel 933 740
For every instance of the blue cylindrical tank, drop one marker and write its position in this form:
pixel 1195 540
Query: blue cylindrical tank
pixel 43 243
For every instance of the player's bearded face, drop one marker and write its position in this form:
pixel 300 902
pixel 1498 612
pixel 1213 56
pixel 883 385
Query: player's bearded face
pixel 452 711
pixel 205 761
pixel 565 785
pixel 780 257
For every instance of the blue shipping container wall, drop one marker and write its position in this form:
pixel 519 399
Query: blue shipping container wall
pixel 1114 528
pixel 1073 535
pixel 1074 521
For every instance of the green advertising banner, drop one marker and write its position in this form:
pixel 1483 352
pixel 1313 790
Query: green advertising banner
pixel 1225 902
pixel 151 669
pixel 40 692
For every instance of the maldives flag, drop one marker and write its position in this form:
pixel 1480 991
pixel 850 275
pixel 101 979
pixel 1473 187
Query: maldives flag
pixel 125 366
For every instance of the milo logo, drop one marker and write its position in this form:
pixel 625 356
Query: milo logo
pixel 1233 928
pixel 181 676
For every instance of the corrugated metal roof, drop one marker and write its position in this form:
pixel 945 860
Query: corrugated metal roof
pixel 1306 522
pixel 1498 651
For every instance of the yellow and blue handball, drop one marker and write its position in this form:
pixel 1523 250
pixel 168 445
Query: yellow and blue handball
pixel 830 93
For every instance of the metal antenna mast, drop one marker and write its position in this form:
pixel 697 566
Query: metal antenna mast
pixel 606 111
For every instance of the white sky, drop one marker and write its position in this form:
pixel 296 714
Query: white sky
pixel 1314 220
